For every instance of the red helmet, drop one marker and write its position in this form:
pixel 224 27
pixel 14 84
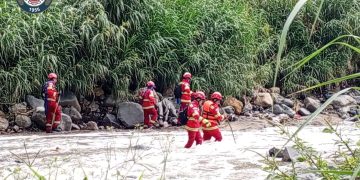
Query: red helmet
pixel 200 94
pixel 187 75
pixel 150 84
pixel 52 76
pixel 216 95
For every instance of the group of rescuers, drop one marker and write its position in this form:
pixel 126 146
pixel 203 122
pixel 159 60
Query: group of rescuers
pixel 201 113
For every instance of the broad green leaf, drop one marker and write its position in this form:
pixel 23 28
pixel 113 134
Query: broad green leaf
pixel 327 130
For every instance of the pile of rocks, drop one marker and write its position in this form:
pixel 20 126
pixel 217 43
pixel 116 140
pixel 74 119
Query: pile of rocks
pixel 269 104
pixel 103 111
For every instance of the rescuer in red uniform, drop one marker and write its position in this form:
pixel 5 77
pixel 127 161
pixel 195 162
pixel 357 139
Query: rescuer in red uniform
pixel 185 91
pixel 148 104
pixel 52 108
pixel 211 114
pixel 194 118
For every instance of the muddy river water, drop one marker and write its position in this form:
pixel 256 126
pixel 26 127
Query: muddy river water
pixel 149 154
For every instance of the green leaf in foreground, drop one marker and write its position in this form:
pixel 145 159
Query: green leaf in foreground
pixel 327 130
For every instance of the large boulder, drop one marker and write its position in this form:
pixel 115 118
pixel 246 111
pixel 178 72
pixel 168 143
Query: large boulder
pixel 277 98
pixel 69 99
pixel 109 120
pixel 34 102
pixel 235 103
pixel 312 104
pixel 343 100
pixel 4 124
pixel 19 108
pixel 39 119
pixel 264 100
pixel 166 110
pixel 66 123
pixel 130 114
pixel 73 113
pixel 23 121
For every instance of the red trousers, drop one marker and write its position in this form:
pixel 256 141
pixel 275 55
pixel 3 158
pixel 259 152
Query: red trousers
pixel 150 116
pixel 52 111
pixel 212 133
pixel 193 136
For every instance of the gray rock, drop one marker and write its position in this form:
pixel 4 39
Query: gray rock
pixel 130 114
pixel 273 151
pixel 18 108
pixel 109 120
pixel 91 125
pixel 228 110
pixel 290 154
pixel 277 109
pixel 288 110
pixel 288 102
pixel 312 104
pixel 277 98
pixel 352 119
pixel 4 124
pixel 166 110
pixel 304 112
pixel 343 100
pixel 75 127
pixel 263 99
pixel 23 121
pixel 357 99
pixel 69 99
pixel 73 113
pixel 39 118
pixel 16 128
pixel 66 122
pixel 34 102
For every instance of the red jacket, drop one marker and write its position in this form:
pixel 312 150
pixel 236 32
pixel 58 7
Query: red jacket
pixel 194 118
pixel 148 99
pixel 51 93
pixel 212 114
pixel 185 91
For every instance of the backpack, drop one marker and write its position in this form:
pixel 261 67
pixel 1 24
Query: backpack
pixel 177 91
pixel 183 117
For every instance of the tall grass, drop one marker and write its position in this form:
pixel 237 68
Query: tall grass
pixel 229 46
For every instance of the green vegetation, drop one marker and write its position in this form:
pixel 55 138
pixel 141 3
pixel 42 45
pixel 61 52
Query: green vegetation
pixel 229 46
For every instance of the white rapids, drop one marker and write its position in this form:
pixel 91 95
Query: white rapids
pixel 155 155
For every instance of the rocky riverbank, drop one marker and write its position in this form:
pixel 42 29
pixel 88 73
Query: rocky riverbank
pixel 103 112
